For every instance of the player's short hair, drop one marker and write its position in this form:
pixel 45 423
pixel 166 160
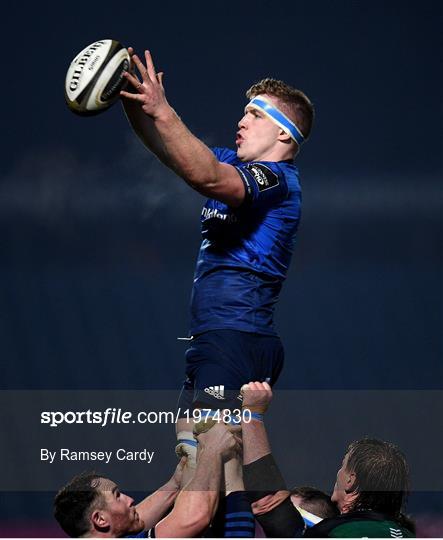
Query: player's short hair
pixel 381 476
pixel 73 503
pixel 316 501
pixel 292 102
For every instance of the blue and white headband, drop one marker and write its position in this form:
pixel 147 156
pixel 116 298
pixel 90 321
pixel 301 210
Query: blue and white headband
pixel 277 117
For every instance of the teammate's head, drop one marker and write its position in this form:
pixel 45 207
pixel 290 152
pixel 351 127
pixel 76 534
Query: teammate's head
pixel 91 505
pixel 374 476
pixel 260 136
pixel 315 501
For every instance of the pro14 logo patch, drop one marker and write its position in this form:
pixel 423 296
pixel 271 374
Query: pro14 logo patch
pixel 264 177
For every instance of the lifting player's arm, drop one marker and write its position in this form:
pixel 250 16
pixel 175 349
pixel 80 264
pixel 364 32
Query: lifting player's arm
pixel 197 502
pixel 162 131
pixel 261 475
pixel 154 507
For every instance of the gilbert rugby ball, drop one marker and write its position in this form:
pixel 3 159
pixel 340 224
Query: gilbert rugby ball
pixel 95 77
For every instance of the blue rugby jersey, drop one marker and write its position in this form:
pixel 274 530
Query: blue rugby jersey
pixel 245 253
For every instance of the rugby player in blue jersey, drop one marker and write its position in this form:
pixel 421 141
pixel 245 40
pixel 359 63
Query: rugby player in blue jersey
pixel 91 505
pixel 248 226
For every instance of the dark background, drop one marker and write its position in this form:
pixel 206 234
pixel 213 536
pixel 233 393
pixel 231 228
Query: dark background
pixel 98 240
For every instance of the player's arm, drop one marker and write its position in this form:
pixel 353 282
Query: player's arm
pixel 256 448
pixel 145 129
pixel 167 136
pixel 154 507
pixel 197 502
pixel 261 475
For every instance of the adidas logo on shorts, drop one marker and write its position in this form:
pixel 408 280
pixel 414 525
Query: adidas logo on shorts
pixel 216 391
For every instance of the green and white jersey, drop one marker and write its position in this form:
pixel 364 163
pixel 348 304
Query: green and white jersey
pixel 359 525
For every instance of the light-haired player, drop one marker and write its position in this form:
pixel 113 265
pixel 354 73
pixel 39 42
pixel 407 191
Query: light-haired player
pixel 370 490
pixel 249 222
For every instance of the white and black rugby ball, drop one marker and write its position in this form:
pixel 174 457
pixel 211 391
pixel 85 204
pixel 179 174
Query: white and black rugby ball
pixel 95 77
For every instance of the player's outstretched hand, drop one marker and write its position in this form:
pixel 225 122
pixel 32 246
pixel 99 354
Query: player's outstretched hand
pixel 256 396
pixel 149 91
pixel 221 440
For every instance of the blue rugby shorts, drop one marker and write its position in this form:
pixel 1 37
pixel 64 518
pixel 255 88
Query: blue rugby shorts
pixel 219 362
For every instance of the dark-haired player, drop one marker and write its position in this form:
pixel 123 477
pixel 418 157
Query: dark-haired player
pixel 248 224
pixel 93 506
pixel 313 504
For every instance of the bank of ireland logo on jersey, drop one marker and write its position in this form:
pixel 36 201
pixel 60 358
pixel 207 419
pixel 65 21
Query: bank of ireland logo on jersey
pixel 216 391
pixel 395 533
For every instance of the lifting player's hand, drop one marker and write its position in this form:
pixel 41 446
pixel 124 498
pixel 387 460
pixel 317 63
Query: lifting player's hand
pixel 220 439
pixel 256 396
pixel 149 91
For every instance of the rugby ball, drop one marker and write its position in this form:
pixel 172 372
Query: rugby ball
pixel 95 77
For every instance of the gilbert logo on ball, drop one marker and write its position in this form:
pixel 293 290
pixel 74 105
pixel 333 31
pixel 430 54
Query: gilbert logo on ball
pixel 95 77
